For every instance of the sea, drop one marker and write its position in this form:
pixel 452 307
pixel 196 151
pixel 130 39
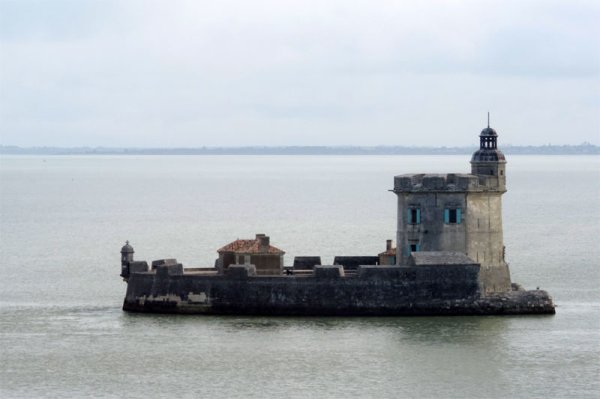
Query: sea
pixel 63 220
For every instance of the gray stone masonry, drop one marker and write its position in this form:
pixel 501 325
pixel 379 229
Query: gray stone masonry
pixel 374 290
pixel 476 230
pixel 440 258
pixel 240 271
pixel 328 271
pixel 306 262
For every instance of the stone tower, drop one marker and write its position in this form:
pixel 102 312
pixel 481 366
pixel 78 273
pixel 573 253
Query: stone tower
pixel 126 258
pixel 458 212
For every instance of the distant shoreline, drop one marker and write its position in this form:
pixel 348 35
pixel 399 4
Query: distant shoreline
pixel 581 149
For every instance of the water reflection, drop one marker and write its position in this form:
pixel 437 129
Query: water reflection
pixel 408 330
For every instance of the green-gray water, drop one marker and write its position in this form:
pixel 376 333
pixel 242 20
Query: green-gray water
pixel 62 333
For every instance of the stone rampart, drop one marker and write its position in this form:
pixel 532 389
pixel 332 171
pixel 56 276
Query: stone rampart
pixel 328 271
pixel 240 272
pixel 374 290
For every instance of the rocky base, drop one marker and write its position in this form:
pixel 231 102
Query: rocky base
pixel 517 302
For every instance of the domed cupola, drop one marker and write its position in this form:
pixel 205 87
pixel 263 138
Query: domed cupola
pixel 488 146
pixel 488 160
pixel 126 253
pixel 127 249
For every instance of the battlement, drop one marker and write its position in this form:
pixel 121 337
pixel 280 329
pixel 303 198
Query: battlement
pixel 450 182
pixel 436 182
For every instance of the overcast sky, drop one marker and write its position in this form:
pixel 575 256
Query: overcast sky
pixel 236 73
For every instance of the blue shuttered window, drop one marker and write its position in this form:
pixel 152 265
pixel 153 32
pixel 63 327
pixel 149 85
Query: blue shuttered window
pixel 453 215
pixel 414 216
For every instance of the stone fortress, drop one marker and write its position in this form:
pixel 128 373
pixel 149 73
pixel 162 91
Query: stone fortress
pixel 449 260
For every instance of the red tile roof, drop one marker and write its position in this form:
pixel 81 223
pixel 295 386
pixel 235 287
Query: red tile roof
pixel 249 247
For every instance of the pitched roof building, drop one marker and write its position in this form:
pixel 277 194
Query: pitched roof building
pixel 258 251
pixel 259 245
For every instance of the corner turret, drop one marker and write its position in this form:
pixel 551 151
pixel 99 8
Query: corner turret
pixel 126 258
pixel 489 162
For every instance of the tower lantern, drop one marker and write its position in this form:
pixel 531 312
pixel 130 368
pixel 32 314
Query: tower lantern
pixel 489 160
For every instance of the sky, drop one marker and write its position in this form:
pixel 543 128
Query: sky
pixel 143 73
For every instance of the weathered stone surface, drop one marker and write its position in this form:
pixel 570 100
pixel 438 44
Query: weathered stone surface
pixel 439 258
pixel 161 262
pixel 479 233
pixel 169 270
pixel 329 271
pixel 353 262
pixel 138 267
pixel 306 262
pixel 240 271
pixel 376 290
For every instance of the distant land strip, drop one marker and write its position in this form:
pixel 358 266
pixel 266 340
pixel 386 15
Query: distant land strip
pixel 549 149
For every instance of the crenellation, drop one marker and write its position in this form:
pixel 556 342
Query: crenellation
pixel 442 182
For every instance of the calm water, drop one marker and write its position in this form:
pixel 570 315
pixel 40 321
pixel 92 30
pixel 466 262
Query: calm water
pixel 62 333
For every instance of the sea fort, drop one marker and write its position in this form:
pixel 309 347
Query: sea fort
pixel 449 260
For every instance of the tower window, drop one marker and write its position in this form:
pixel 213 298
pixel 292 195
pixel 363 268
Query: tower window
pixel 452 215
pixel 414 215
pixel 415 247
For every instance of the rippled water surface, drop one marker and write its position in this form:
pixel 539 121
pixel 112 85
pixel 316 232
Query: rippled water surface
pixel 62 333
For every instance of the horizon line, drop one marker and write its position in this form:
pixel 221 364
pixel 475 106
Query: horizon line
pixel 260 146
pixel 547 149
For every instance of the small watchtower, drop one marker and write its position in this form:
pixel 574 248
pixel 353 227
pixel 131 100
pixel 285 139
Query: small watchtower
pixel 126 258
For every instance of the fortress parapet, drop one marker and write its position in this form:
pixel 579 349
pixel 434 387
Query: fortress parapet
pixel 329 271
pixel 450 182
pixel 427 287
pixel 418 182
pixel 240 271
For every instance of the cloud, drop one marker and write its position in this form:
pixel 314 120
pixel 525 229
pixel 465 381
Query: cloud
pixel 186 73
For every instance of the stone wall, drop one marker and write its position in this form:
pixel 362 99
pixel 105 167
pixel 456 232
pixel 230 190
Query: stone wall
pixel 432 234
pixel 478 234
pixel 375 290
pixel 485 239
